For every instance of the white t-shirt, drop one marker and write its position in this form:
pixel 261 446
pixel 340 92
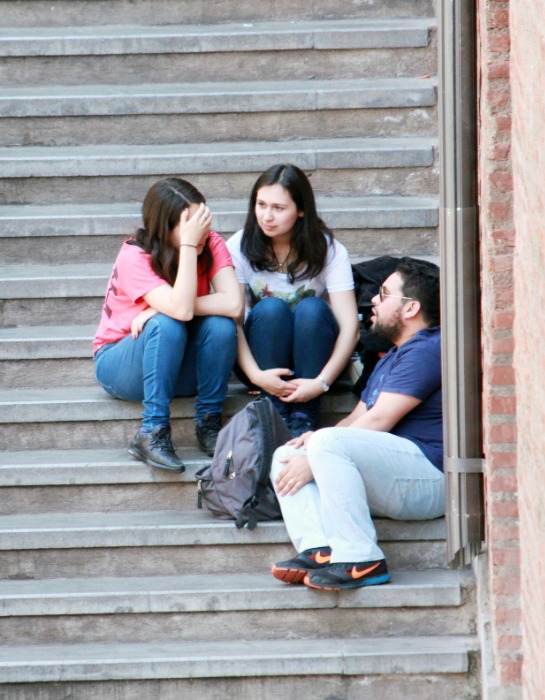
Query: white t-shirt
pixel 336 276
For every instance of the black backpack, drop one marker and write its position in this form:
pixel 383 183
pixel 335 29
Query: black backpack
pixel 368 276
pixel 236 485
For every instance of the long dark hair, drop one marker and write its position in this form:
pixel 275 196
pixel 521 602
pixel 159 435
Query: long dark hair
pixel 161 210
pixel 310 237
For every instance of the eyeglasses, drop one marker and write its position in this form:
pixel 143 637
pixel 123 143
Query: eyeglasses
pixel 383 294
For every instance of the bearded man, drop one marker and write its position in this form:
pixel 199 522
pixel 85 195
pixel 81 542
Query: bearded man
pixel 385 459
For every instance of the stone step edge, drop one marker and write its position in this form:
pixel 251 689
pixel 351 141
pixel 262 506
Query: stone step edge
pixel 170 528
pixel 217 97
pixel 80 467
pixel 73 281
pixel 33 42
pixel 344 657
pixel 228 158
pixel 218 593
pixel 92 403
pixel 356 212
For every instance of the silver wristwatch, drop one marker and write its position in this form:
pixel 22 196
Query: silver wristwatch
pixel 325 385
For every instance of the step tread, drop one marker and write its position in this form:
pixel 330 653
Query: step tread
pixel 401 655
pixel 98 219
pixel 84 467
pixel 52 342
pixel 233 36
pixel 164 528
pixel 47 342
pixel 85 403
pixel 223 96
pixel 218 592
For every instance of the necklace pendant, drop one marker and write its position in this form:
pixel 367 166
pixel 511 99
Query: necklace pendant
pixel 282 265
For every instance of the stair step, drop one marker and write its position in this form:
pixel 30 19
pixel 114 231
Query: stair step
pixel 45 357
pixel 68 220
pixel 76 232
pixel 72 404
pixel 67 545
pixel 198 158
pixel 217 97
pixel 94 115
pixel 104 172
pixel 79 467
pixel 41 13
pixel 219 592
pixel 255 36
pixel 269 658
pixel 85 416
pixel 72 417
pixel 42 481
pixel 237 50
pixel 161 528
pixel 195 127
pixel 41 342
pixel 51 281
pixel 193 607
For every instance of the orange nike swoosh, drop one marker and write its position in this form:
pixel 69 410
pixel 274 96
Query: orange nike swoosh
pixel 358 574
pixel 320 559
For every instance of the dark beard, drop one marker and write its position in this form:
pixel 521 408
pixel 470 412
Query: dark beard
pixel 390 333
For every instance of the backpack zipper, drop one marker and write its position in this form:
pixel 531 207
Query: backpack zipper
pixel 228 461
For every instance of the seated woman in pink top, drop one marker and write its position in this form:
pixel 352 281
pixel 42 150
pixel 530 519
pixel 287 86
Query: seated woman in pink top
pixel 167 325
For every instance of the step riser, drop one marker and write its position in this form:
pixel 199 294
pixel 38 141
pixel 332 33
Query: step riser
pixel 107 188
pixel 430 687
pixel 262 624
pixel 214 67
pixel 40 374
pixel 25 13
pixel 103 249
pixel 107 498
pixel 47 312
pixel 169 560
pixel 91 434
pixel 202 128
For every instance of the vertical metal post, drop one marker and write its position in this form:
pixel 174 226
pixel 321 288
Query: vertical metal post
pixel 460 288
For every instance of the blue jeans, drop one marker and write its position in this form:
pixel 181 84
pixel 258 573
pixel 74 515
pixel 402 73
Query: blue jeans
pixel 301 339
pixel 171 358
pixel 357 474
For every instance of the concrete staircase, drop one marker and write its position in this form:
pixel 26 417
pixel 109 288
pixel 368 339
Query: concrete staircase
pixel 113 583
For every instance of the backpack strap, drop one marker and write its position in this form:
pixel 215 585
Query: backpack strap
pixel 264 419
pixel 247 512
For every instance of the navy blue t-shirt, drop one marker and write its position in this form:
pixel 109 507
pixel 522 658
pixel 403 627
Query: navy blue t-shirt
pixel 414 369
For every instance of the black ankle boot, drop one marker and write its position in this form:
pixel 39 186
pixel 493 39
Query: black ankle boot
pixel 156 449
pixel 207 432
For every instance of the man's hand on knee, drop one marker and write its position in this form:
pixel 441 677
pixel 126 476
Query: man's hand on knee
pixel 295 474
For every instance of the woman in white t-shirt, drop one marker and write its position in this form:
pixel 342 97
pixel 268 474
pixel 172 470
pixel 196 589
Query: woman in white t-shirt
pixel 300 325
pixel 167 326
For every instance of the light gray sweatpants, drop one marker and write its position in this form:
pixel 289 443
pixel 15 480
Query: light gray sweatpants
pixel 358 473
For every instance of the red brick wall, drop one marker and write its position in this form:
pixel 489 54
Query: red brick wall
pixel 498 314
pixel 528 156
